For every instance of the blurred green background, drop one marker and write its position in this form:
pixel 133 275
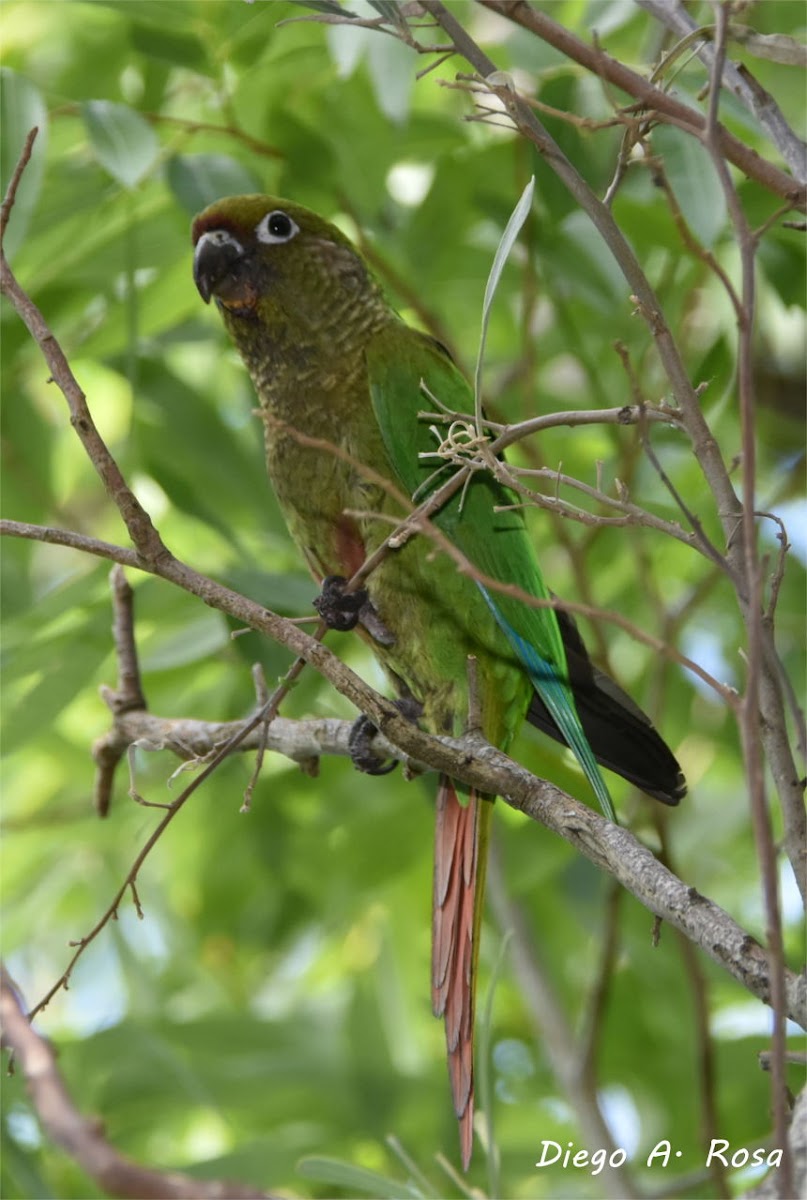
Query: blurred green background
pixel 273 1005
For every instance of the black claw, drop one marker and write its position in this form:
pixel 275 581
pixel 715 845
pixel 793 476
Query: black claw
pixel 363 732
pixel 362 757
pixel 410 708
pixel 339 609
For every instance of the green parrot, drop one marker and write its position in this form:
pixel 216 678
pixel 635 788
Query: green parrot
pixel 340 379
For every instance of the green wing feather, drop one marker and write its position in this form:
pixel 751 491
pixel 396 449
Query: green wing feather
pixel 399 361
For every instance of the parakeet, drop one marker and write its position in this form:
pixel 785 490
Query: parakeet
pixel 341 381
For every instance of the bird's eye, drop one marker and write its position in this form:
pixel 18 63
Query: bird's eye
pixel 276 226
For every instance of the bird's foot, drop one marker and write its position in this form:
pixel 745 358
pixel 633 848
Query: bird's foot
pixel 340 609
pixel 361 755
pixel 343 610
pixel 361 736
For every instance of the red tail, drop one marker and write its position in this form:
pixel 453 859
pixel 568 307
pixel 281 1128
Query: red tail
pixel 453 957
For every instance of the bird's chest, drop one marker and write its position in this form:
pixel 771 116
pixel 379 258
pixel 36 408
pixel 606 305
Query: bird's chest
pixel 336 486
pixel 324 456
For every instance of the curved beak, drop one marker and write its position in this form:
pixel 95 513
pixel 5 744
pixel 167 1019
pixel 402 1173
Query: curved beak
pixel 216 253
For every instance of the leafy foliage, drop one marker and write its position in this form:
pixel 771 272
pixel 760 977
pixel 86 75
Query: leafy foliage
pixel 272 1005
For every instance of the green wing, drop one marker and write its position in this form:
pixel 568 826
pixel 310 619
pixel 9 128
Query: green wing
pixel 399 362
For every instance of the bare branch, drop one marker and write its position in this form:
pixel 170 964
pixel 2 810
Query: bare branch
pixel 469 760
pixel 664 106
pixel 195 741
pixel 704 444
pixel 738 80
pixel 551 1020
pixel 127 697
pixel 83 1137
pixel 771 1186
pixel 72 540
pixel 750 713
pixel 14 182
pixel 480 765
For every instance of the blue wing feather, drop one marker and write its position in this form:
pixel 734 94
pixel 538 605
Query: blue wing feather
pixel 491 535
pixel 554 692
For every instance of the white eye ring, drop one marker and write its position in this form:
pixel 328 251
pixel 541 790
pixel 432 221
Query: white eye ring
pixel 275 227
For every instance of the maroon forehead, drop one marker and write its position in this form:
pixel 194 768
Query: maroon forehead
pixel 211 220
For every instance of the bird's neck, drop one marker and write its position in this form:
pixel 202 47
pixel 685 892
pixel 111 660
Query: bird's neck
pixel 309 369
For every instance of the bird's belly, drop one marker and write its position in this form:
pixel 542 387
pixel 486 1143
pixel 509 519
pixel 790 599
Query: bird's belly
pixel 437 617
pixel 315 492
pixel 439 620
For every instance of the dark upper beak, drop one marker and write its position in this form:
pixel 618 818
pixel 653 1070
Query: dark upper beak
pixel 215 255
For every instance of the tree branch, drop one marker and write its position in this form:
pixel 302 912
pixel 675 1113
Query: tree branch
pixel 665 107
pixel 704 444
pixel 740 82
pixel 475 762
pixel 728 507
pixel 769 1188
pixel 470 761
pixel 750 713
pixel 549 1015
pixel 83 1137
pixel 415 523
pixel 194 741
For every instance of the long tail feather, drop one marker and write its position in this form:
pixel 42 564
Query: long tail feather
pixel 458 884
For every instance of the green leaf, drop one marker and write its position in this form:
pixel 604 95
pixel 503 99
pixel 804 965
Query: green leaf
pixel 71 664
pixel 694 182
pixel 197 639
pixel 781 254
pixel 356 1179
pixel 123 141
pixel 198 179
pixel 175 434
pixel 511 232
pixel 325 6
pixel 182 49
pixel 387 9
pixel 21 108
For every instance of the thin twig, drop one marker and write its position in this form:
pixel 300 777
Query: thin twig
pixel 470 760
pixel 83 1137
pixel 750 711
pixel 81 944
pixel 740 81
pixel 127 697
pixel 552 1023
pixel 480 765
pixel 690 241
pixel 14 182
pixel 664 106
pixel 695 523
pixel 597 1002
pixel 262 695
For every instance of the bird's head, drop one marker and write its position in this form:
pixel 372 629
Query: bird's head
pixel 255 253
